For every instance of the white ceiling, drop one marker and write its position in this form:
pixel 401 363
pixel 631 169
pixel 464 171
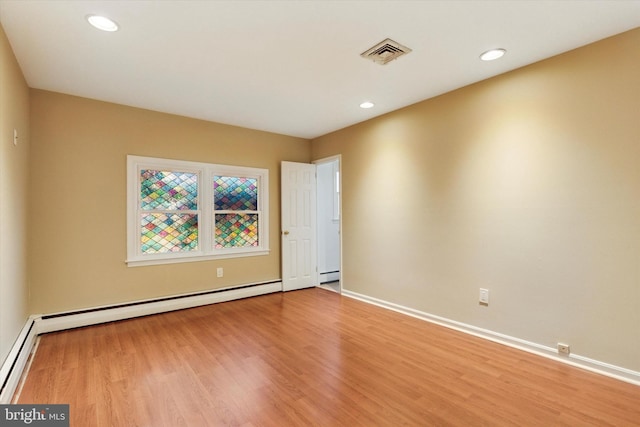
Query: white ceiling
pixel 290 67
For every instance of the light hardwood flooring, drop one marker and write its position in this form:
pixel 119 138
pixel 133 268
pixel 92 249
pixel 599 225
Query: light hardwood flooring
pixel 310 358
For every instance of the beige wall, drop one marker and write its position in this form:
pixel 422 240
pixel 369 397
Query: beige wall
pixel 78 199
pixel 527 184
pixel 14 114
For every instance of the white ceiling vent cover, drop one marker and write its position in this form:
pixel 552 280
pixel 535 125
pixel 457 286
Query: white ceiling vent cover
pixel 385 51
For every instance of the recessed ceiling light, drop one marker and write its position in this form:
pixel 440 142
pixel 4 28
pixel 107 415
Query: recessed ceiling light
pixel 492 54
pixel 102 23
pixel 367 104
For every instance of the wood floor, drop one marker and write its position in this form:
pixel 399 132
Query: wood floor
pixel 310 358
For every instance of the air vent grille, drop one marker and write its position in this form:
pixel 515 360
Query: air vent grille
pixel 385 52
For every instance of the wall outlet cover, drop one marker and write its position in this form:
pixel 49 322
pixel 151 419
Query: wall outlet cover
pixel 484 296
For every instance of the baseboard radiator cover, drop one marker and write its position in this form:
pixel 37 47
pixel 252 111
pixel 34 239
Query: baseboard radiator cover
pixel 596 366
pixel 96 315
pixel 16 361
pixel 13 367
pixel 329 276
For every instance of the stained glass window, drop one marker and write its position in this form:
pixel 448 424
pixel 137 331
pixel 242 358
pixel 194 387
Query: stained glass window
pixel 162 195
pixel 168 190
pixel 162 232
pixel 236 219
pixel 235 193
pixel 236 230
pixel 172 218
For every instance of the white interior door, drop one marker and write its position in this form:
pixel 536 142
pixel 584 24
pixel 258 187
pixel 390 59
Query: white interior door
pixel 299 245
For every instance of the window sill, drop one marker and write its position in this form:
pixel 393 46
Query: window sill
pixel 141 262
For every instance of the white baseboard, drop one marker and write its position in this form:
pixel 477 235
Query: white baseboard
pixel 592 365
pixel 16 361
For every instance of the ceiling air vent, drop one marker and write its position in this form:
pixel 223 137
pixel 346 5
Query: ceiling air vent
pixel 385 51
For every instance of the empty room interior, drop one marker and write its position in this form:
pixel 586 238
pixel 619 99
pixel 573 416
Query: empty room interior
pixel 321 212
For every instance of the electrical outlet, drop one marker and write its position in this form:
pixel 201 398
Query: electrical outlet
pixel 220 272
pixel 563 348
pixel 484 296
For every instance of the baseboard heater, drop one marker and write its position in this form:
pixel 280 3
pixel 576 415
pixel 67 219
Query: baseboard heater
pixel 155 300
pixel 95 315
pixel 13 366
pixel 329 276
pixel 11 370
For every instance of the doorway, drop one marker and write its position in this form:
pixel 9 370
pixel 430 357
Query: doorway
pixel 329 223
pixel 311 224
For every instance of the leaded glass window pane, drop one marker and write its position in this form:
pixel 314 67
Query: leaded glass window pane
pixel 235 193
pixel 165 232
pixel 172 218
pixel 236 230
pixel 168 190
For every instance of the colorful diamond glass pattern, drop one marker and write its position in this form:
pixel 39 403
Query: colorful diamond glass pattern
pixel 162 232
pixel 236 230
pixel 168 190
pixel 234 193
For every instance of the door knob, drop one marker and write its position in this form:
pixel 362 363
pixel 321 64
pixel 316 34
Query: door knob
pixel 285 233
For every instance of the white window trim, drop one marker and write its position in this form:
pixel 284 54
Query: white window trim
pixel 206 249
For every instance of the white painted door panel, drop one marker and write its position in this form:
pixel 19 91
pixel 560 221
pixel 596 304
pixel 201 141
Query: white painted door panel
pixel 299 257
